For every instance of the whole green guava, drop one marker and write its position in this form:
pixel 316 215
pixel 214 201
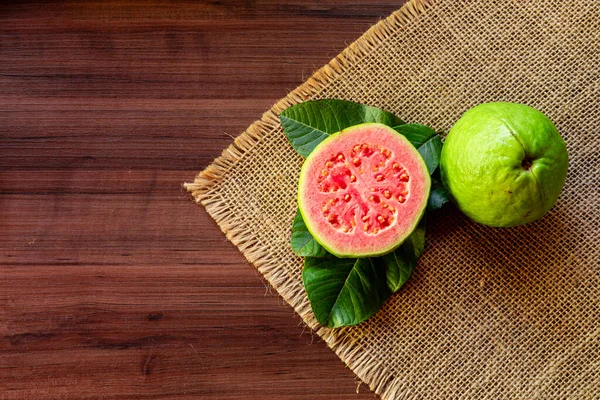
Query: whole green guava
pixel 504 164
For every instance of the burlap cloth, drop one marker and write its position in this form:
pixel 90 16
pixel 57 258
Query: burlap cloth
pixel 489 313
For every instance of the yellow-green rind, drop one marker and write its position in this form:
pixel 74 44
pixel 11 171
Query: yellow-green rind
pixel 322 240
pixel 484 164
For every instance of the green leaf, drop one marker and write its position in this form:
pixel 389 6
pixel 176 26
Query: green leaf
pixel 437 197
pixel 347 291
pixel 417 134
pixel 307 124
pixel 430 151
pixel 400 264
pixel 303 242
pixel 344 291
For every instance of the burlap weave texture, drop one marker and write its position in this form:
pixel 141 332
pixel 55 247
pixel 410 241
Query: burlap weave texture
pixel 489 313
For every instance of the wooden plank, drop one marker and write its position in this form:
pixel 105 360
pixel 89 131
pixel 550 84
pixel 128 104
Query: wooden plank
pixel 113 283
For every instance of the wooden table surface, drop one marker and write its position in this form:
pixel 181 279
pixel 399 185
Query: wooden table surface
pixel 114 284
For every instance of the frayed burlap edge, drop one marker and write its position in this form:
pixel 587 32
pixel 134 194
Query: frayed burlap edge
pixel 370 370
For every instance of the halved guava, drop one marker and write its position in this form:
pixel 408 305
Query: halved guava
pixel 363 190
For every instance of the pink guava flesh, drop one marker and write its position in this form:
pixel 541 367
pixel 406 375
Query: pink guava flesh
pixel 363 190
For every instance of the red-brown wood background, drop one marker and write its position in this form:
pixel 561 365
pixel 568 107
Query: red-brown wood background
pixel 113 283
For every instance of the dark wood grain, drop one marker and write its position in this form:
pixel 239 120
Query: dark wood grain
pixel 113 284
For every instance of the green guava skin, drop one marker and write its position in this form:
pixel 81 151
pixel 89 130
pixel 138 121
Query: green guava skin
pixel 504 164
